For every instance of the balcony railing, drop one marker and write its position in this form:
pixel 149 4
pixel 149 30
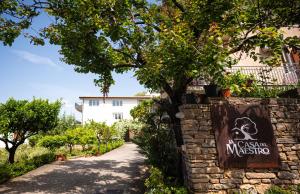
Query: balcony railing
pixel 78 107
pixel 272 76
pixel 280 76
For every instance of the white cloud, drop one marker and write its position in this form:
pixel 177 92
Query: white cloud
pixel 36 59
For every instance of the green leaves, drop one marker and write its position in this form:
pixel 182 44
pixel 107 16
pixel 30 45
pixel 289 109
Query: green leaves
pixel 28 118
pixel 163 42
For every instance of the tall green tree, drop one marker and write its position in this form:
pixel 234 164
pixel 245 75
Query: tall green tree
pixel 167 43
pixel 21 119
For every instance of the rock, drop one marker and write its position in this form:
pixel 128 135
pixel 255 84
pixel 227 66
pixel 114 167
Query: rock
pixel 282 156
pixel 214 181
pixel 261 188
pixel 286 175
pixel 214 170
pixel 232 180
pixel 253 175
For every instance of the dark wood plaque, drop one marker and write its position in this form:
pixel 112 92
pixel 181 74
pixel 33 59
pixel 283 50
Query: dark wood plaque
pixel 244 136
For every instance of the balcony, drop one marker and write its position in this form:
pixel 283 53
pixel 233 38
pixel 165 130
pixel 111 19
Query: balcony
pixel 78 107
pixel 272 76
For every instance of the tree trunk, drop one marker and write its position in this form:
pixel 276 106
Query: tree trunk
pixel 11 155
pixel 70 148
pixel 176 102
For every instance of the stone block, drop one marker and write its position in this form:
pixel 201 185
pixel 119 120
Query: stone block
pixel 253 175
pixel 214 170
pixel 235 173
pixel 246 187
pixel 296 182
pixel 282 156
pixel 285 140
pixel 266 180
pixel 293 158
pixel 231 181
pixel 296 147
pixel 217 176
pixel 280 127
pixel 287 175
pixel 251 181
pixel 200 186
pixel 261 188
pixel 222 186
pixel 214 181
pixel 287 149
pixel 201 180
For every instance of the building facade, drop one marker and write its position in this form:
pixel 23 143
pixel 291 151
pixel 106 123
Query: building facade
pixel 108 109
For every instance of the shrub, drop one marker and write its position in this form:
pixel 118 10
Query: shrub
pixel 5 172
pixel 52 142
pixel 279 190
pixel 27 159
pixel 156 184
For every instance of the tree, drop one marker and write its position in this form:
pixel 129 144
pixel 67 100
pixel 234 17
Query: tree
pixel 21 119
pixel 65 122
pixel 167 43
pixel 102 131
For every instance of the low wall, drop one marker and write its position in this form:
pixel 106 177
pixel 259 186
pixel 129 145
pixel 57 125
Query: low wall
pixel 202 171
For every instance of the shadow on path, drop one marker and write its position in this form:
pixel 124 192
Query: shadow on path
pixel 119 171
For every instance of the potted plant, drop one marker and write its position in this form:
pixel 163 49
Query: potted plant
pixel 236 84
pixel 226 85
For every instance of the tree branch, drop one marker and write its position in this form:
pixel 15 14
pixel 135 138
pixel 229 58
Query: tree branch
pixel 6 140
pixel 240 46
pixel 124 65
pixel 179 6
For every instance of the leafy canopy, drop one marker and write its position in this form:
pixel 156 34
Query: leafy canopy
pixel 26 118
pixel 166 42
pixel 21 119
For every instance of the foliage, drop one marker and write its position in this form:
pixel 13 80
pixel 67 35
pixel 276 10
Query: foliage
pixel 52 142
pixel 238 83
pixel 278 190
pixel 156 139
pixel 65 122
pixel 141 111
pixel 155 183
pixel 85 136
pixel 21 119
pixel 27 159
pixel 166 43
pixel 123 126
pixel 143 93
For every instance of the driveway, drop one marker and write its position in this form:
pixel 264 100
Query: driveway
pixel 120 171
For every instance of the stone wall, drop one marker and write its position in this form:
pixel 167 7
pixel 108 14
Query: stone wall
pixel 202 171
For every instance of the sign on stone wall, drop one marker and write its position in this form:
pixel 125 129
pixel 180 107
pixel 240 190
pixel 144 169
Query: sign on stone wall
pixel 244 136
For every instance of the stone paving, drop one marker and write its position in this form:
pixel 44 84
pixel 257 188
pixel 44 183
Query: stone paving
pixel 121 171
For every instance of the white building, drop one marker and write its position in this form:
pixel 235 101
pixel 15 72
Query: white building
pixel 108 109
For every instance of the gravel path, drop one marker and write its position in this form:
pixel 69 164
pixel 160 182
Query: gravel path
pixel 120 171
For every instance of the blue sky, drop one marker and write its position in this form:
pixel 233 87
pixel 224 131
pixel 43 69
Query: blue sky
pixel 28 71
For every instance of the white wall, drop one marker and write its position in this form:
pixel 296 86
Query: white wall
pixel 104 112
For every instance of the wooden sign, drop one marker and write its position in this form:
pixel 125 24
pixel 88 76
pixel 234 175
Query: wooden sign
pixel 244 136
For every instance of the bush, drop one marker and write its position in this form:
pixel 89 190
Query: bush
pixel 27 159
pixel 52 142
pixel 279 190
pixel 156 140
pixel 156 184
pixel 5 172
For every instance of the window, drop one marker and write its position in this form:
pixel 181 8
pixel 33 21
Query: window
pixel 118 116
pixel 117 103
pixel 93 102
